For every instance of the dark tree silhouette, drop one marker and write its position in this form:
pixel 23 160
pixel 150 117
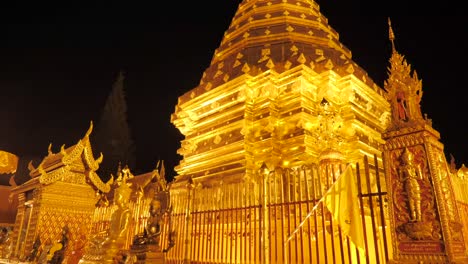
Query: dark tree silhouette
pixel 113 136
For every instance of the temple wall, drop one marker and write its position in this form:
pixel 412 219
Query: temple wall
pixel 47 210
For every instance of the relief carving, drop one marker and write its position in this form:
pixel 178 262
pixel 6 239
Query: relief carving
pixel 413 197
pixel 410 176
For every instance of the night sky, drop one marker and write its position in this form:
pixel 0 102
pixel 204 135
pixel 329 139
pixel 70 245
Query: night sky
pixel 58 63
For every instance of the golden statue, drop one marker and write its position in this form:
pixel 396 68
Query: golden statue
pixel 410 176
pixel 106 246
pixel 153 228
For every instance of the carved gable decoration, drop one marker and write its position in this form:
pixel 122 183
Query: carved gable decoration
pixel 75 164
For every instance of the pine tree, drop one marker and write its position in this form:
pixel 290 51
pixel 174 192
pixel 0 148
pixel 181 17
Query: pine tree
pixel 113 136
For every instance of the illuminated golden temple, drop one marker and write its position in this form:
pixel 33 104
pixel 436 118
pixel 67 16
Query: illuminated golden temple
pixel 291 154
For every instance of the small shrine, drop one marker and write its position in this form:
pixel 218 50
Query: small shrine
pixel 57 204
pixel 136 226
pixel 67 214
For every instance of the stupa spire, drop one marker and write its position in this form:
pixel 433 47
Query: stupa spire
pixel 276 35
pixel 391 35
pixel 404 89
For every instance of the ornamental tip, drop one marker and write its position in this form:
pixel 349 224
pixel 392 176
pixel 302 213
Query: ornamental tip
pixel 49 149
pixel 90 129
pixel 391 35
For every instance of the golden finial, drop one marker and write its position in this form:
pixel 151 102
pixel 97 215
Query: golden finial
pixel 101 157
pixel 89 129
pixel 62 150
pixel 156 169
pixel 162 171
pixel 49 149
pixel 391 35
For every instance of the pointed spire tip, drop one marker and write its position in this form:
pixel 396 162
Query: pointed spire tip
pixel 391 35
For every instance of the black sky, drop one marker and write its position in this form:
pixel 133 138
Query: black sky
pixel 58 63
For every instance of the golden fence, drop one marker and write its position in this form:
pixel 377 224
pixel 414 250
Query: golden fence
pixel 270 219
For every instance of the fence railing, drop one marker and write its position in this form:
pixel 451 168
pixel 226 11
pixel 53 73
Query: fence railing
pixel 250 222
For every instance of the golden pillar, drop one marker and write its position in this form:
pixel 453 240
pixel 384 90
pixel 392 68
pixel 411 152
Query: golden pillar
pixel 424 219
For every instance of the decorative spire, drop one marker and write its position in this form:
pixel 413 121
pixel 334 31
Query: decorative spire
pixel 404 89
pixel 49 149
pixel 391 35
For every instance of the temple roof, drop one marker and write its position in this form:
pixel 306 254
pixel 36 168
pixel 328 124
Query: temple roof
pixel 55 165
pixel 140 184
pixel 155 176
pixel 277 35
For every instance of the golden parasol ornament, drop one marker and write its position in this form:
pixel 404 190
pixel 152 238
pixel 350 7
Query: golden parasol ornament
pixel 8 162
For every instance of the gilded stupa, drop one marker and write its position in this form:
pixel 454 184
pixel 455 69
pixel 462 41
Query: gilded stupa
pixel 260 98
pixel 278 116
pixel 281 104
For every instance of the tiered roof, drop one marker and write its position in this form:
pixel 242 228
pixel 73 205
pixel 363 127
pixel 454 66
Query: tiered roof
pixel 77 158
pixel 277 35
